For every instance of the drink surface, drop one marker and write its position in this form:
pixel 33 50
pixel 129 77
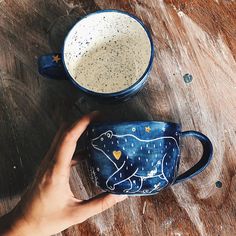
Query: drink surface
pixel 107 52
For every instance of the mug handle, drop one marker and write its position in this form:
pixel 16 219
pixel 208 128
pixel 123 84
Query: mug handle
pixel 51 66
pixel 203 162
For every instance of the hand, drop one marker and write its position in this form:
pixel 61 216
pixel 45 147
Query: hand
pixel 49 206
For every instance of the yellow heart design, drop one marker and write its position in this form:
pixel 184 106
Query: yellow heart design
pixel 117 154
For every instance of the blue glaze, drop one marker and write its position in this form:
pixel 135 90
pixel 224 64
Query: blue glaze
pixel 188 78
pixel 218 184
pixel 52 70
pixel 140 158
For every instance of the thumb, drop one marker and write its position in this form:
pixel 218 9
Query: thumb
pixel 97 205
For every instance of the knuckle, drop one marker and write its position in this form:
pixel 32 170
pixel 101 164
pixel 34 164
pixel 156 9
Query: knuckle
pixel 50 177
pixel 85 118
pixel 69 136
pixel 46 180
pixel 107 203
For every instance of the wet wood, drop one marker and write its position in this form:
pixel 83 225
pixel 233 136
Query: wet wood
pixel 195 37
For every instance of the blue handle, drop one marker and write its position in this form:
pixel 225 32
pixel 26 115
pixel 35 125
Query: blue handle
pixel 51 66
pixel 204 161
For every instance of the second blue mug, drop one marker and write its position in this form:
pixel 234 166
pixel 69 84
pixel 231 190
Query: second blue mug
pixel 107 54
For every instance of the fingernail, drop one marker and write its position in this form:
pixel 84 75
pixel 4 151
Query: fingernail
pixel 95 113
pixel 120 198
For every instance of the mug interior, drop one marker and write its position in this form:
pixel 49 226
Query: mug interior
pixel 107 51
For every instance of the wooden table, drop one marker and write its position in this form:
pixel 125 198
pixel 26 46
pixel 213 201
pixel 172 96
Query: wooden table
pixel 195 37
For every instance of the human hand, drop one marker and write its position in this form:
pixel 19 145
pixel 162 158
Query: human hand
pixel 49 206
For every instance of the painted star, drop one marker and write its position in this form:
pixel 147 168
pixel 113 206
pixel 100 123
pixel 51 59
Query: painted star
pixel 147 129
pixel 56 58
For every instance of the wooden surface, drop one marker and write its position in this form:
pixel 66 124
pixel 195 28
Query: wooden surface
pixel 196 37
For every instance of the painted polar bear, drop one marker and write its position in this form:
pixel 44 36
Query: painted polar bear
pixel 138 162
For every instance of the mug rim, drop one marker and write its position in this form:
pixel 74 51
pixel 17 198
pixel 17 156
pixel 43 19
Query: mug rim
pixel 130 88
pixel 116 123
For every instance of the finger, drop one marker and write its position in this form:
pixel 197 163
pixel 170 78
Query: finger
pixel 98 204
pixel 66 150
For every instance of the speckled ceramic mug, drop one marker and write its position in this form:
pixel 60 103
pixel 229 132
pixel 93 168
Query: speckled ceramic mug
pixel 107 54
pixel 141 158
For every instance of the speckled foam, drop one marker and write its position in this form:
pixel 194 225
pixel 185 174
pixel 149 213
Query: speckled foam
pixel 107 52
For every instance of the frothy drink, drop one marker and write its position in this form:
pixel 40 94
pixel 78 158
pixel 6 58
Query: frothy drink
pixel 107 52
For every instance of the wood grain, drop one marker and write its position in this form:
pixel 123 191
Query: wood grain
pixel 196 37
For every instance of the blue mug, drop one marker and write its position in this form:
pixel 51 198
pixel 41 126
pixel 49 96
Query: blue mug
pixel 140 158
pixel 107 54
